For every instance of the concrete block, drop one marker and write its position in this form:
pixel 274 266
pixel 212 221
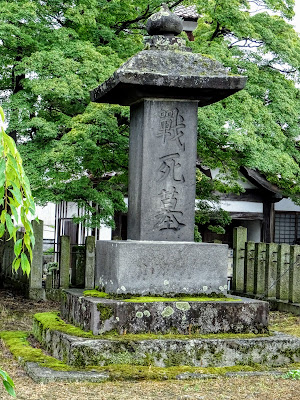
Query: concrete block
pixel 141 267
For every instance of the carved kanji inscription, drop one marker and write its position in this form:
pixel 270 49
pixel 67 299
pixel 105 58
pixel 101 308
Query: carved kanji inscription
pixel 171 127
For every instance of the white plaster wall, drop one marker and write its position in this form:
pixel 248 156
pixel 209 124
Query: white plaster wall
pixel 286 205
pixel 47 214
pixel 242 206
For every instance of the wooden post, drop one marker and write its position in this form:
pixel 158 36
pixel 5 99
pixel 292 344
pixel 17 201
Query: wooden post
pixel 239 242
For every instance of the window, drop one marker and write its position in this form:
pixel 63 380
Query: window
pixel 287 227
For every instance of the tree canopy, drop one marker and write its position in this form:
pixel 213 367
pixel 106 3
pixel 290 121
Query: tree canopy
pixel 53 53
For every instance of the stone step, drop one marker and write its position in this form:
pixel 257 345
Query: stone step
pixel 276 350
pixel 101 315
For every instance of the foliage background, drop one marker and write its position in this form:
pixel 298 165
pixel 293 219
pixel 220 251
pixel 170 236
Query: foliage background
pixel 53 53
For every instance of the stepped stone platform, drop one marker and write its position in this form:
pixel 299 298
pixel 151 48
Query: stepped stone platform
pixel 101 315
pixel 273 351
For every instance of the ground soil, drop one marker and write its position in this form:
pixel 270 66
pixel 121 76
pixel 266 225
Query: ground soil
pixel 16 314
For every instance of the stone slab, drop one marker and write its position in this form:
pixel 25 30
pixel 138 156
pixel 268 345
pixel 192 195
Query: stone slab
pixel 272 351
pixel 162 168
pixel 168 74
pixel 183 317
pixel 44 375
pixel 148 267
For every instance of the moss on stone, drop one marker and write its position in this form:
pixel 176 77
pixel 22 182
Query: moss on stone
pixel 18 344
pixel 105 311
pixel 96 293
pixel 21 349
pixel 52 321
pixel 149 299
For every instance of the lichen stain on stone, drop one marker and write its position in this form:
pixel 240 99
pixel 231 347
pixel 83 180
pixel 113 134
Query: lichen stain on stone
pixel 167 312
pixel 183 306
pixel 139 314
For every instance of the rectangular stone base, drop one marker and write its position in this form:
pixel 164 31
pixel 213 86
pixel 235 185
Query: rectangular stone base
pixel 148 267
pixel 236 315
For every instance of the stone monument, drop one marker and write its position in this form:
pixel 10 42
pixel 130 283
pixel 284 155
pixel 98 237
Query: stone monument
pixel 164 85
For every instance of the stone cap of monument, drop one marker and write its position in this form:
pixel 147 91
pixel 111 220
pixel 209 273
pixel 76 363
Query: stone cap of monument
pixel 168 69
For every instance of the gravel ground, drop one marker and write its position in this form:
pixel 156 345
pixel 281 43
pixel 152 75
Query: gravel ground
pixel 16 314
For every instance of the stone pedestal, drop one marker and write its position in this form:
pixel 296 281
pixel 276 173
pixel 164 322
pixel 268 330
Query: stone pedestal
pixel 162 164
pixel 141 267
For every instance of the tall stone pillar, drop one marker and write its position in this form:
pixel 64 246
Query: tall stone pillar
pixel 162 164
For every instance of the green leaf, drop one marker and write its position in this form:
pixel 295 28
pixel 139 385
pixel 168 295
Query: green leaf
pixel 25 265
pixel 16 263
pixel 2 168
pixel 17 194
pixel 14 212
pixel 3 374
pixel 9 224
pixel 10 390
pixel 2 230
pixel 18 247
pixel 2 114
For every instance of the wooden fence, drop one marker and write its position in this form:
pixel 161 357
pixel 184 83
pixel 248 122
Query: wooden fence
pixel 75 267
pixel 268 271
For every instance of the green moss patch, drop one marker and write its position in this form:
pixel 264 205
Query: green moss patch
pixel 96 293
pixel 53 322
pixel 21 349
pixel 150 299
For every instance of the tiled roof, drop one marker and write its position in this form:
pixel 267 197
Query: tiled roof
pixel 187 12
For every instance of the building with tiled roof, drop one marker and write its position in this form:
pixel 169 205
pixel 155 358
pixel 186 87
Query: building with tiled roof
pixel 190 17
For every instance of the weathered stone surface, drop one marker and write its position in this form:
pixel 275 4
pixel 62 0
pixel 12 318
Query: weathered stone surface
pixel 162 164
pixel 64 262
pixel 142 267
pixel 44 375
pixel 294 286
pixel 272 351
pixel 36 291
pixel 249 269
pixel 283 272
pixel 239 243
pixel 271 266
pixel 183 317
pixel 164 22
pixel 90 254
pixel 168 74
